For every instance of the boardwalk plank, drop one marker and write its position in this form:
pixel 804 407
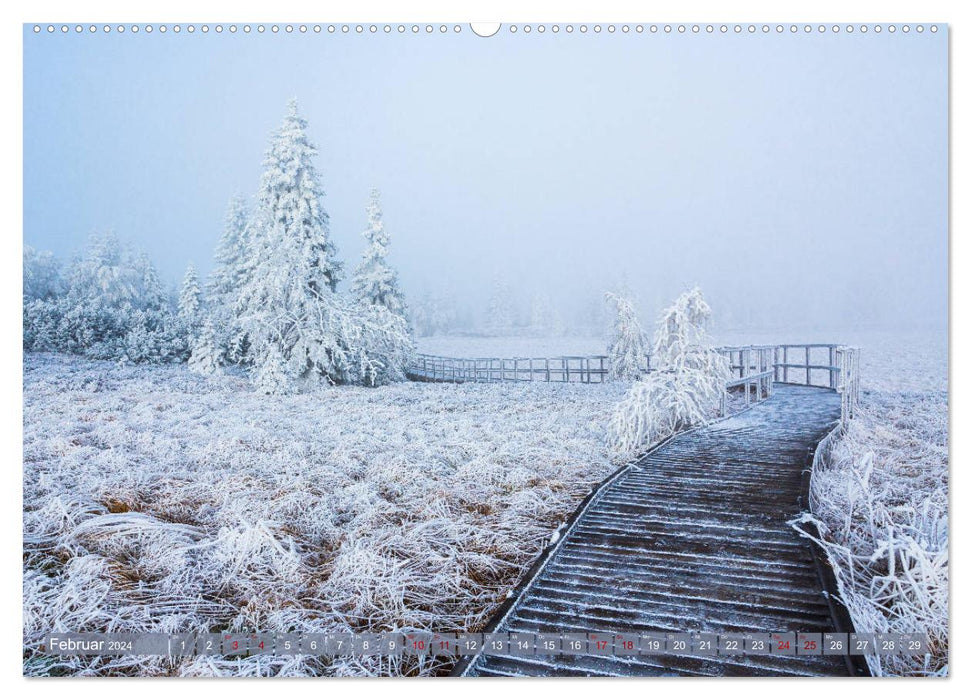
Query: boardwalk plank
pixel 692 537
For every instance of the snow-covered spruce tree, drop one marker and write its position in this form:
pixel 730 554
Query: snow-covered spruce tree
pixel 297 326
pixel 270 375
pixel 227 279
pixel 207 351
pixel 190 297
pixel 229 272
pixel 374 281
pixel 685 388
pixel 151 293
pixel 628 347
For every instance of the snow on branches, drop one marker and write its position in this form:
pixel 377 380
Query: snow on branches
pixel 685 387
pixel 272 299
pixel 111 305
pixel 207 353
pixel 190 297
pixel 628 344
pixel 374 281
pixel 296 324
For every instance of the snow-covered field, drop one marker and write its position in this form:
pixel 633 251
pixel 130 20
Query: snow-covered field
pixel 883 497
pixel 159 500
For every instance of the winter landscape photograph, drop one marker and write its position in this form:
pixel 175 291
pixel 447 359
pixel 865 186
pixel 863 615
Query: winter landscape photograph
pixel 394 350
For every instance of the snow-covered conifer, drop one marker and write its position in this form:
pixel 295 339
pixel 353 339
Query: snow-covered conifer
pixel 541 313
pixel 374 281
pixel 190 297
pixel 227 279
pixel 270 375
pixel 207 352
pixel 628 347
pixel 433 313
pixel 229 273
pixel 294 320
pixel 151 294
pixel 291 264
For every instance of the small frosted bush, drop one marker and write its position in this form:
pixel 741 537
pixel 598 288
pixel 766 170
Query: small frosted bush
pixel 685 389
pixel 628 345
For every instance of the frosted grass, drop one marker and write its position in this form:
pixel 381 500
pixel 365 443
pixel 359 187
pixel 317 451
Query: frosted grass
pixel 880 499
pixel 159 500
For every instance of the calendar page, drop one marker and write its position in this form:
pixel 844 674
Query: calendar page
pixel 466 349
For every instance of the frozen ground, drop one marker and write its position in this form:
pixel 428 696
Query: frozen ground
pixel 882 495
pixel 158 500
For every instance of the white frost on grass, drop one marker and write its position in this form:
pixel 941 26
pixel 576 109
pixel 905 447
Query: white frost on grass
pixel 156 499
pixel 881 498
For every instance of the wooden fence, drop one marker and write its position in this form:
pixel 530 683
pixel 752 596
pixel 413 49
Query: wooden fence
pixel 754 368
pixel 588 369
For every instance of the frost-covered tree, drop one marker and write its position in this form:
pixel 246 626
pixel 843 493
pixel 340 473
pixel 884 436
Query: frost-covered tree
pixel 685 389
pixel 207 352
pixel 151 292
pixel 434 313
pixel 42 274
pixel 114 307
pixel 499 313
pixel 232 270
pixel 291 265
pixel 374 281
pixel 271 375
pixel 290 211
pixel 628 347
pixel 231 256
pixel 294 320
pixel 190 297
pixel 107 273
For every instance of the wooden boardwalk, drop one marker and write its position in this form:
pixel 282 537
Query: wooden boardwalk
pixel 691 537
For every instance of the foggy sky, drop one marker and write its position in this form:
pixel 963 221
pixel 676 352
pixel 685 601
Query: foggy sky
pixel 795 178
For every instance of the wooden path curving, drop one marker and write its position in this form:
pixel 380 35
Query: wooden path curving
pixel 691 537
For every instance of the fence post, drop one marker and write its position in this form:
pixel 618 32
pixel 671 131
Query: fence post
pixel 832 363
pixel 808 371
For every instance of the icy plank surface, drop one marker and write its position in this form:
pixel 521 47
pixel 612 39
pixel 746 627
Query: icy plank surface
pixel 693 537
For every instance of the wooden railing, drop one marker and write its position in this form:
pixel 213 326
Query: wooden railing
pixel 836 367
pixel 753 368
pixel 587 369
